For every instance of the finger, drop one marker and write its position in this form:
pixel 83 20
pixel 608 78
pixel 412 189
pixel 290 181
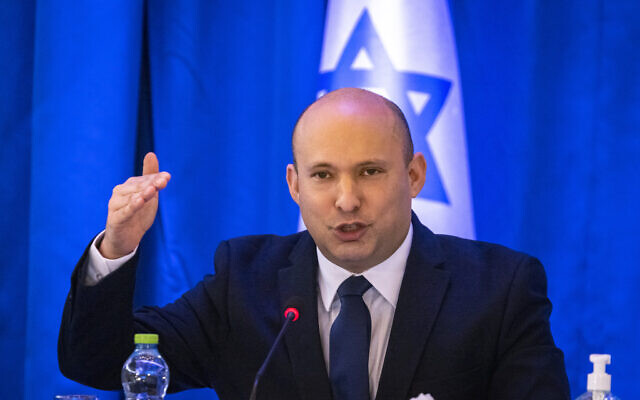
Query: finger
pixel 124 213
pixel 158 179
pixel 117 202
pixel 150 164
pixel 139 183
pixel 158 182
pixel 147 193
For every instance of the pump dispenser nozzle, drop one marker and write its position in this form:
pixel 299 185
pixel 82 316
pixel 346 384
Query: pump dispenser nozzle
pixel 599 380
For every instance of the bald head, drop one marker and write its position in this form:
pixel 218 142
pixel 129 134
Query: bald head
pixel 355 177
pixel 356 103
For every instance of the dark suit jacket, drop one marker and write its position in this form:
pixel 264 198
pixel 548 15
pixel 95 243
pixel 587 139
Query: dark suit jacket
pixel 472 322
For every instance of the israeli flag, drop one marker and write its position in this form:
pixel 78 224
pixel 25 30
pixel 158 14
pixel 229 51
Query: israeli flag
pixel 405 51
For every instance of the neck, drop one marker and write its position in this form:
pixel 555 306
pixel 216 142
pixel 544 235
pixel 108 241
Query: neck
pixel 356 269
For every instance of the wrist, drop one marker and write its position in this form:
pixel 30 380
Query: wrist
pixel 108 251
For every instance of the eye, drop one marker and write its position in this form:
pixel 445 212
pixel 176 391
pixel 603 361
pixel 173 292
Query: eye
pixel 371 171
pixel 321 175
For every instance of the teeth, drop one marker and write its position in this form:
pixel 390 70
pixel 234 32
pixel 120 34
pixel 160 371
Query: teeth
pixel 349 228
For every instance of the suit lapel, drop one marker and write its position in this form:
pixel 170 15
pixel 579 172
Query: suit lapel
pixel 421 293
pixel 302 338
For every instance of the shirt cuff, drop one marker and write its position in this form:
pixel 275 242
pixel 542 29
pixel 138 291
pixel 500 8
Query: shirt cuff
pixel 98 266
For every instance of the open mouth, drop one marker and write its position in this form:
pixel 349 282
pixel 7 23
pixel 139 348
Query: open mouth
pixel 350 227
pixel 350 232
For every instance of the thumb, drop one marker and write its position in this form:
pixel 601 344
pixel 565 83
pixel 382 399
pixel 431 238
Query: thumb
pixel 150 164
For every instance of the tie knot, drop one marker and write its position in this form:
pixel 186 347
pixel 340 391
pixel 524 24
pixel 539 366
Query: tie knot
pixel 354 286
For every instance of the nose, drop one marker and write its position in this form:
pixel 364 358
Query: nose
pixel 348 197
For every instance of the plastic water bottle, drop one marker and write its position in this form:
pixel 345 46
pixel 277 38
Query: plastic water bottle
pixel 599 382
pixel 145 374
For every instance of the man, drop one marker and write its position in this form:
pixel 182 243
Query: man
pixel 388 309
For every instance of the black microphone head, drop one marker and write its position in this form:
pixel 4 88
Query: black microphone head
pixel 293 305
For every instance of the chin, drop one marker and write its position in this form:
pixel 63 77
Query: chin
pixel 351 258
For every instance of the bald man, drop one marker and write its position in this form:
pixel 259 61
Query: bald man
pixel 433 314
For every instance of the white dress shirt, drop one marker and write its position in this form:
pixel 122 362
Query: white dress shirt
pixel 98 267
pixel 381 298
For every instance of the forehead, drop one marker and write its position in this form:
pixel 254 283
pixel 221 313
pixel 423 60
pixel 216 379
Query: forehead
pixel 347 130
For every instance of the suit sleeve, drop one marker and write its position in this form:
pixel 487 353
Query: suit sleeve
pixel 529 364
pixel 98 325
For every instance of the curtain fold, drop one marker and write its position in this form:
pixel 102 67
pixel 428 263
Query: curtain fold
pixel 84 116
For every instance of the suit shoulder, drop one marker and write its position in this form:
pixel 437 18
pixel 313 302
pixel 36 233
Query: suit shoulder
pixel 246 250
pixel 454 244
pixel 479 256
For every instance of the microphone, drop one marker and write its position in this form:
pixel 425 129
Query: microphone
pixel 291 314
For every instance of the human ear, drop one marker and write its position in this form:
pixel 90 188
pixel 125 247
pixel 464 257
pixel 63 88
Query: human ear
pixel 417 169
pixel 292 181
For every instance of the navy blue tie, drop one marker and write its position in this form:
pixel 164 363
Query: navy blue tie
pixel 349 342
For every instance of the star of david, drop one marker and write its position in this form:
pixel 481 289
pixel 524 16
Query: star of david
pixel 365 63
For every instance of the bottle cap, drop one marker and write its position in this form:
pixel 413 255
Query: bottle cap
pixel 599 380
pixel 145 338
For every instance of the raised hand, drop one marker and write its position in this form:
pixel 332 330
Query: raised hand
pixel 132 209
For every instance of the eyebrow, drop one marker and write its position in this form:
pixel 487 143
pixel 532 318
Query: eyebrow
pixel 374 161
pixel 321 165
pixel 365 163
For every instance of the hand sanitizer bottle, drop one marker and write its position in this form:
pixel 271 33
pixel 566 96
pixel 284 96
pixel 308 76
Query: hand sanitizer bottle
pixel 599 382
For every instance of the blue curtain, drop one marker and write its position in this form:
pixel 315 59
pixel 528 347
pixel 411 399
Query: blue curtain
pixel 16 70
pixel 551 97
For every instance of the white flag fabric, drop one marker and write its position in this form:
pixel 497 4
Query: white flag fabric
pixel 405 51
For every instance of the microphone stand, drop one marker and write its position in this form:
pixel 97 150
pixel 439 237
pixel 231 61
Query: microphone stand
pixel 289 317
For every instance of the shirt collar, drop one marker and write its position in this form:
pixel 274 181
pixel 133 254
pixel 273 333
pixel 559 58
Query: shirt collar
pixel 385 277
